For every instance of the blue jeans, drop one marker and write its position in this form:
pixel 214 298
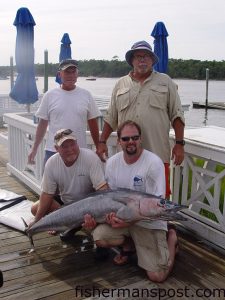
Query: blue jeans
pixel 48 154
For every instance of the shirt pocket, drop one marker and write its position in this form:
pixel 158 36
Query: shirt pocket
pixel 158 96
pixel 123 99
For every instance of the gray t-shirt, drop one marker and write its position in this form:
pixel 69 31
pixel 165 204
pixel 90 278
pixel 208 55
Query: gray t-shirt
pixel 80 179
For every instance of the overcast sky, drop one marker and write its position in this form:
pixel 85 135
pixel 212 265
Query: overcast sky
pixel 101 29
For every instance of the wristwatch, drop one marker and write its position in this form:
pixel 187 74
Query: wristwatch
pixel 180 142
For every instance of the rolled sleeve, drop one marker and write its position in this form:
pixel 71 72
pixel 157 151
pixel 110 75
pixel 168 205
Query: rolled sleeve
pixel 175 107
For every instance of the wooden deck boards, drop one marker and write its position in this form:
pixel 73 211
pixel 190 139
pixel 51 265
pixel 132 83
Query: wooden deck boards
pixel 54 270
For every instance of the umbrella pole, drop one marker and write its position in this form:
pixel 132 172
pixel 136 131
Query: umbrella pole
pixel 11 73
pixel 45 71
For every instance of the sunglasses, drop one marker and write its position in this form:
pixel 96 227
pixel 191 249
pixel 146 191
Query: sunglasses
pixel 140 57
pixel 128 138
pixel 65 132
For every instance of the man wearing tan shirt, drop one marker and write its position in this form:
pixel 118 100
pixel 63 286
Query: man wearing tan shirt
pixel 150 99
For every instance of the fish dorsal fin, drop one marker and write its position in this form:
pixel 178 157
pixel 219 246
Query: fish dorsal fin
pixel 137 192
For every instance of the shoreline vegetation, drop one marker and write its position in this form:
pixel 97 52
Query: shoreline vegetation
pixel 177 68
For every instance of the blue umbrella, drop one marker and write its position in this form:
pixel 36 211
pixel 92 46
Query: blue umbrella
pixel 160 46
pixel 25 89
pixel 65 52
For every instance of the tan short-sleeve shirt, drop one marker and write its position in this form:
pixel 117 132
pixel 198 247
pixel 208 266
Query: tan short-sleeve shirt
pixel 154 105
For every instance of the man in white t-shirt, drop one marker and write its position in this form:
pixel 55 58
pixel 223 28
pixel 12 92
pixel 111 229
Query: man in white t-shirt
pixel 142 170
pixel 73 171
pixel 67 106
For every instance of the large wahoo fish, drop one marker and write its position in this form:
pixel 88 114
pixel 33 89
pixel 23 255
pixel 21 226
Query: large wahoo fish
pixel 128 205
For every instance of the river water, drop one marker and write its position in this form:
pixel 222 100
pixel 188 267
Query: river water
pixel 189 90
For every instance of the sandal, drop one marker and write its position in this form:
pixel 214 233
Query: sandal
pixel 123 257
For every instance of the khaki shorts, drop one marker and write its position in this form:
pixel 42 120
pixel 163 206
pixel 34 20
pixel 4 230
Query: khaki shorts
pixel 106 232
pixel 152 249
pixel 151 245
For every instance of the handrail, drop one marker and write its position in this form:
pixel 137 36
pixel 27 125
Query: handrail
pixel 199 182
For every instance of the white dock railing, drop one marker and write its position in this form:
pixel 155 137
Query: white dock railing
pixel 8 105
pixel 199 183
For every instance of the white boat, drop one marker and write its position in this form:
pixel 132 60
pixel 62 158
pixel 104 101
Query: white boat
pixel 91 78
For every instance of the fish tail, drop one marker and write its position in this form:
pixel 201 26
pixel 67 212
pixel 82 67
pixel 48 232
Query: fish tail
pixel 27 233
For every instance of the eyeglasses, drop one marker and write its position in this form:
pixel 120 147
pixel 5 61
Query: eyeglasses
pixel 140 57
pixel 63 133
pixel 128 138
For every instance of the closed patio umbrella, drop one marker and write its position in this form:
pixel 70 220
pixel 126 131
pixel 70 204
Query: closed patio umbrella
pixel 160 46
pixel 25 89
pixel 65 51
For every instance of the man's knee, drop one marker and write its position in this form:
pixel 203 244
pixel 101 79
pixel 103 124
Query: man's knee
pixel 106 236
pixel 34 208
pixel 157 276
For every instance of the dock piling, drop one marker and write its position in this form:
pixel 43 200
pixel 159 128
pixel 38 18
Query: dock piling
pixel 207 88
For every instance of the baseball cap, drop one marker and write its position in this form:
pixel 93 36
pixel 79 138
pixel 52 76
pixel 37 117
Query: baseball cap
pixel 66 63
pixel 62 135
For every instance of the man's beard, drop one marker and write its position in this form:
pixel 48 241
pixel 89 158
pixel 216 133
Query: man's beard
pixel 131 151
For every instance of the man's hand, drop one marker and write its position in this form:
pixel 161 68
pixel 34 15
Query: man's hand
pixel 178 154
pixel 102 151
pixel 31 157
pixel 115 222
pixel 89 222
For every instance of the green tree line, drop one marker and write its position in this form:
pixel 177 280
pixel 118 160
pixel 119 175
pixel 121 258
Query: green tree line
pixel 196 69
pixel 177 68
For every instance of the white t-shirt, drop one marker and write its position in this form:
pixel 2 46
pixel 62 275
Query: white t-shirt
pixel 80 179
pixel 147 174
pixel 67 109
